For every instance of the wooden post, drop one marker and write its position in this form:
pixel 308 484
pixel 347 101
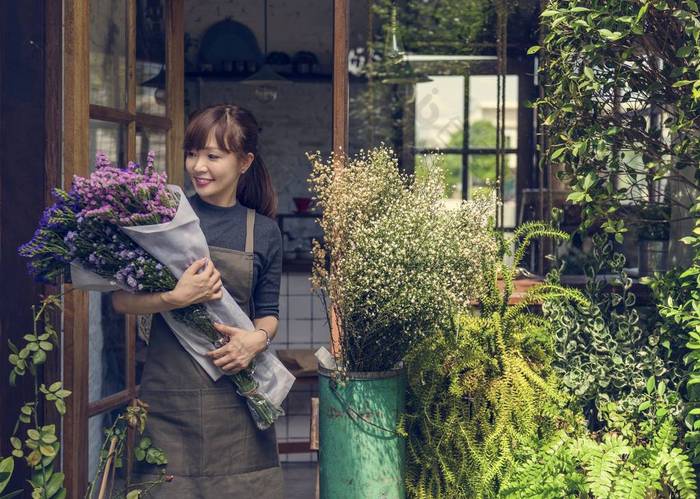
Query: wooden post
pixel 76 97
pixel 341 97
pixel 175 88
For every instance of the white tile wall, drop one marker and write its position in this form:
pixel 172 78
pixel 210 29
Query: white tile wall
pixel 303 324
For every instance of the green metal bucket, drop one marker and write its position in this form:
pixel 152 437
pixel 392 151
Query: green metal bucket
pixel 361 456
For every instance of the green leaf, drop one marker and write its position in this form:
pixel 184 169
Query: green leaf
pixel 682 83
pixel 651 384
pixel 610 35
pixel 33 434
pixel 7 467
pixel 661 389
pixel 576 196
pixel 644 405
pixel 39 357
pixel 55 386
pixel 61 407
pixel 533 50
pixel 684 51
pixel 558 152
pixel 134 494
pixel 55 483
pixel 589 73
pixel 49 438
pixel 34 458
pixel 549 13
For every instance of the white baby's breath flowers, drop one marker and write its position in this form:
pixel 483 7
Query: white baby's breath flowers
pixel 401 263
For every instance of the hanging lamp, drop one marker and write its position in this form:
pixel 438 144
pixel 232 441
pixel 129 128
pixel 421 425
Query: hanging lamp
pixel 397 70
pixel 266 78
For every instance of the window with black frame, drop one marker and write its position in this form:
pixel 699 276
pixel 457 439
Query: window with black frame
pixel 456 125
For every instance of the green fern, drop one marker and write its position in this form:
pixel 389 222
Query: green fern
pixel 482 389
pixel 611 468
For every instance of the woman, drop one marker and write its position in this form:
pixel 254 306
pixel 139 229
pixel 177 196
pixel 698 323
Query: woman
pixel 213 447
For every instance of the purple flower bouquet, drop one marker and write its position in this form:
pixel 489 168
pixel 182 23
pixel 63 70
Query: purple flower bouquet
pixel 126 228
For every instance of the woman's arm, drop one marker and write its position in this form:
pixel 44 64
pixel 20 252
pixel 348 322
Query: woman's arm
pixel 269 324
pixel 142 303
pixel 193 287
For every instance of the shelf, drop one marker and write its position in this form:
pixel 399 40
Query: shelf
pixel 306 214
pixel 292 77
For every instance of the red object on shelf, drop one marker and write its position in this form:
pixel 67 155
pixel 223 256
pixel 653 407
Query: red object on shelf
pixel 302 204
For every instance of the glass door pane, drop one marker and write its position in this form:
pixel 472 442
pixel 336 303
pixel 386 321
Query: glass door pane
pixel 150 57
pixel 108 40
pixel 109 138
pixel 440 112
pixel 149 139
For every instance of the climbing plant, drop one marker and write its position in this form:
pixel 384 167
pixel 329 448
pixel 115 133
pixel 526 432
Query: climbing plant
pixel 621 102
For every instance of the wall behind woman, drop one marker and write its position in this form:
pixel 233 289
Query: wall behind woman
pixel 299 120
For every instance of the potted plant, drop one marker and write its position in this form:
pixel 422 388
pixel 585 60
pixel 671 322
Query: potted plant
pixel 400 265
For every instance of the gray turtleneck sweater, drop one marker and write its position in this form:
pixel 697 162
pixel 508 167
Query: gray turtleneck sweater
pixel 226 228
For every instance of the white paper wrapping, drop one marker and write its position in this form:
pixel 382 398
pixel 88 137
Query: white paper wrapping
pixel 177 244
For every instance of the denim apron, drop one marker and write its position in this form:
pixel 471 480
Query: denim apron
pixel 213 447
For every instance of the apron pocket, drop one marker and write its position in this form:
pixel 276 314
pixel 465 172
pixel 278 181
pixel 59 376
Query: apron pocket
pixel 174 424
pixel 231 441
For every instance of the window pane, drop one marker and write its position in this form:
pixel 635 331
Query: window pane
pixel 150 57
pixel 149 139
pixel 482 111
pixel 440 112
pixel 108 53
pixel 452 165
pixel 482 177
pixel 109 138
pixel 107 374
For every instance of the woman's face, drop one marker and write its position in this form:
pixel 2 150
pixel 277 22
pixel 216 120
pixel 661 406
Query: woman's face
pixel 215 173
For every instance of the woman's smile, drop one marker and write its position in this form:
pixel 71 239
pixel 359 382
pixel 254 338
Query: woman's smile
pixel 202 181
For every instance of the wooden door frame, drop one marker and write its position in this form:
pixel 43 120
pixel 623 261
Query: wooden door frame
pixel 76 116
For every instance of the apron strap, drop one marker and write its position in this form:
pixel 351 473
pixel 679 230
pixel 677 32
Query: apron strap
pixel 250 224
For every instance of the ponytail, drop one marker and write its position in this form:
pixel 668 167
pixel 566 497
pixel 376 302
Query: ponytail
pixel 255 189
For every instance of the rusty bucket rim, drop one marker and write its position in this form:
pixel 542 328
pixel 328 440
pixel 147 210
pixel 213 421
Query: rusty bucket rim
pixel 363 375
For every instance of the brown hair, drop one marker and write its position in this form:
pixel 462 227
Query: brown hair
pixel 235 130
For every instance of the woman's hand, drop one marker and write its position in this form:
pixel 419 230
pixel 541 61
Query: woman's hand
pixel 240 350
pixel 196 287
